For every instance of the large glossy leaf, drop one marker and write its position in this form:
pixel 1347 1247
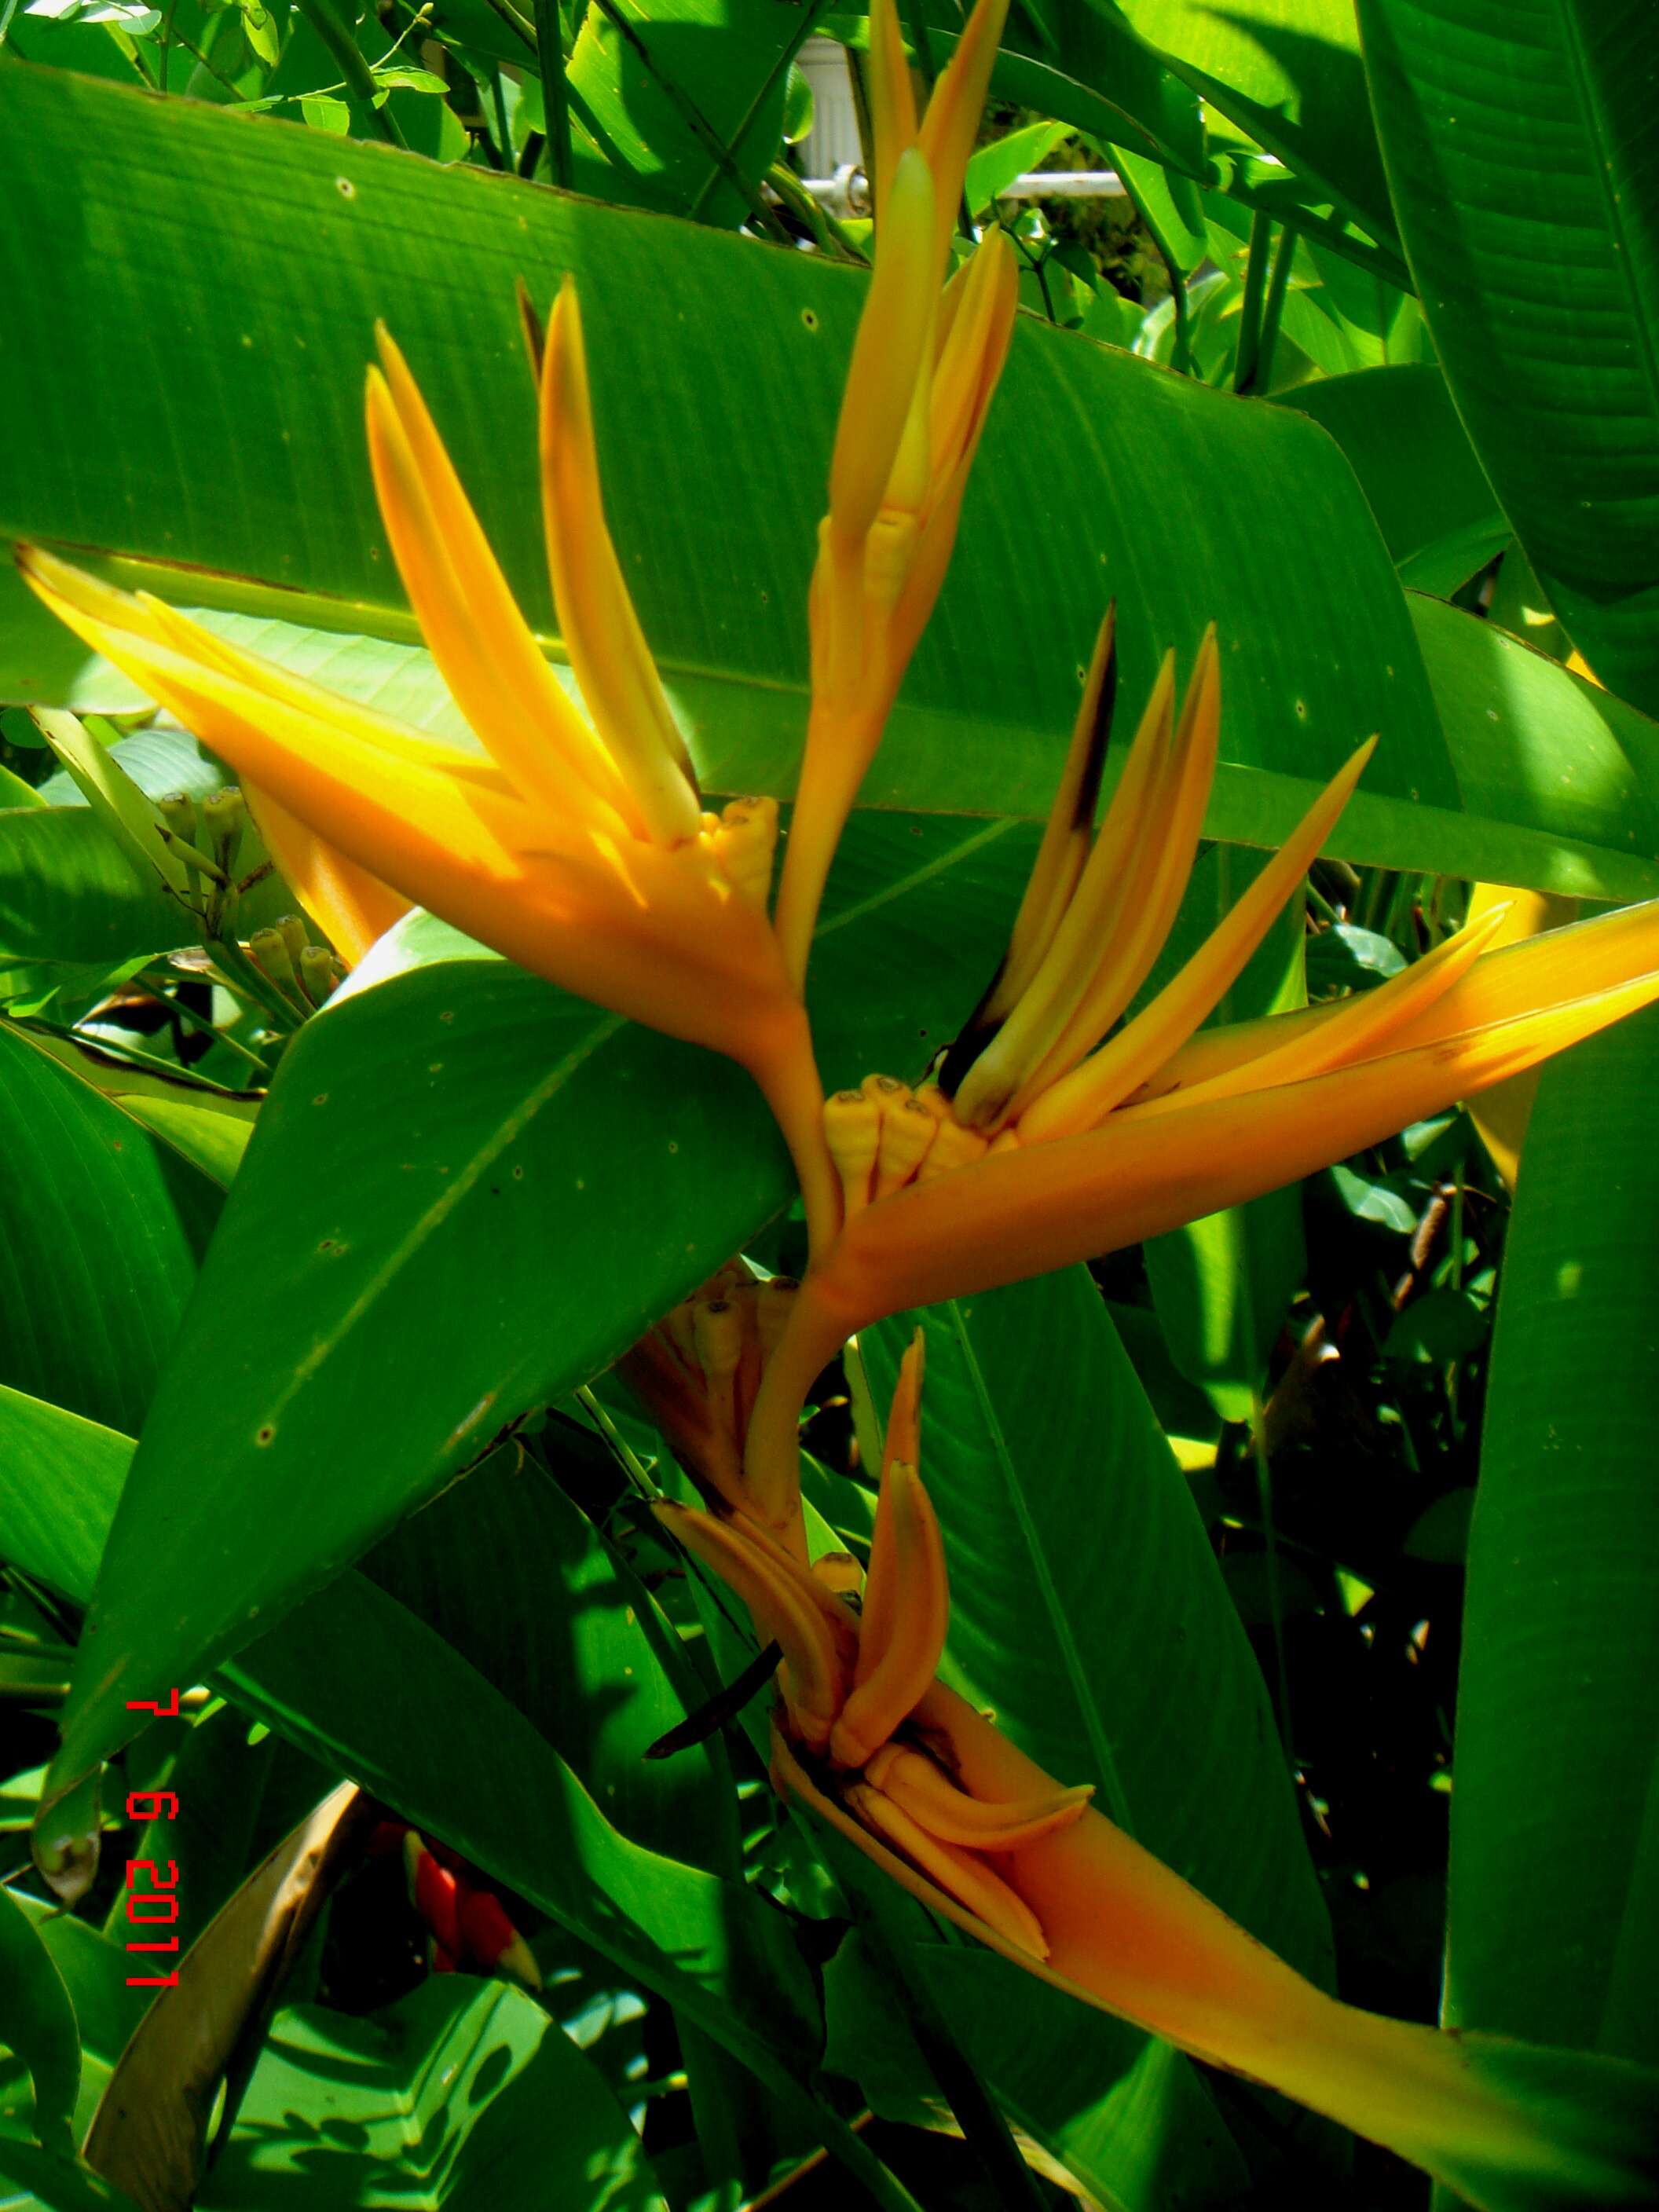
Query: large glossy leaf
pixel 37 2021
pixel 506 1547
pixel 1566 757
pixel 250 268
pixel 69 894
pixel 461 2096
pixel 94 1971
pixel 1553 1908
pixel 1413 460
pixel 1521 143
pixel 1290 72
pixel 1126 457
pixel 101 1228
pixel 66 1475
pixel 466 1194
pixel 682 101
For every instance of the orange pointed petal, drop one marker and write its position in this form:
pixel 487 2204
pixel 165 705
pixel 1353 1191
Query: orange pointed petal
pixel 1061 856
pixel 906 1616
pixel 483 645
pixel 1366 1025
pixel 784 1612
pixel 389 810
pixel 607 648
pixel 351 907
pixel 892 102
pixel 1580 960
pixel 963 1874
pixel 1086 1095
pixel 1081 949
pixel 931 1799
pixel 951 123
pixel 888 355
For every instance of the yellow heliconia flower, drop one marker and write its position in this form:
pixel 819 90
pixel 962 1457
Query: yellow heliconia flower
pixel 924 367
pixel 867 1737
pixel 1038 1145
pixel 579 848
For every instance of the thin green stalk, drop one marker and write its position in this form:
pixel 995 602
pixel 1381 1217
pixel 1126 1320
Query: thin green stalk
pixel 629 1461
pixel 1273 309
pixel 1249 317
pixel 135 54
pixel 240 975
pixel 1180 351
pixel 212 68
pixel 336 34
pixel 556 96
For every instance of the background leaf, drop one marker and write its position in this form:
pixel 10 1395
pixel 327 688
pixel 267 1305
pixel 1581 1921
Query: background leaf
pixel 463 2095
pixel 100 1242
pixel 1554 1906
pixel 1292 77
pixel 1402 439
pixel 1520 147
pixel 37 2022
pixel 1558 754
pixel 736 420
pixel 358 1681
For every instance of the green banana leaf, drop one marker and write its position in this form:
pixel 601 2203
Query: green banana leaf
pixel 38 2023
pixel 463 2095
pixel 98 1241
pixel 1520 146
pixel 1292 77
pixel 1403 440
pixel 1553 1904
